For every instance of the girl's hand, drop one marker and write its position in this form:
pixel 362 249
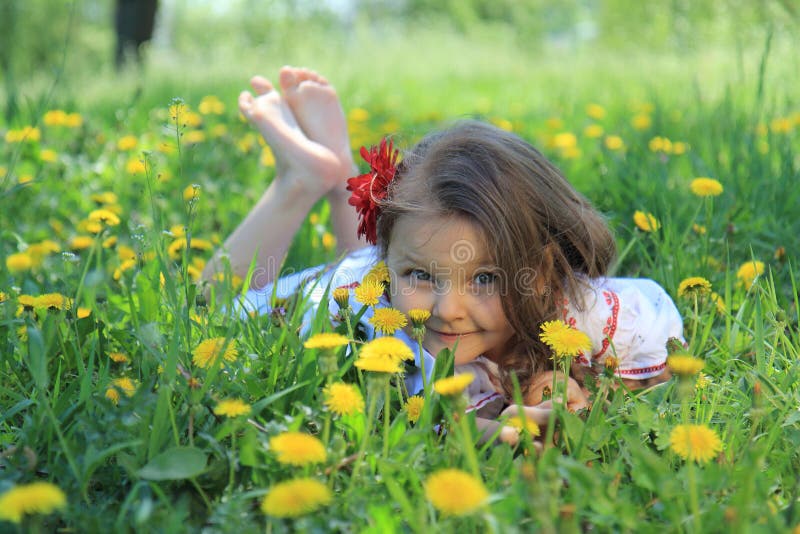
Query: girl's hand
pixel 576 399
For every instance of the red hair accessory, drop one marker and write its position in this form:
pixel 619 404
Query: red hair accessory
pixel 372 187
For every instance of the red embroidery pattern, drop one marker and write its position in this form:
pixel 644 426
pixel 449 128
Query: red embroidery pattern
pixel 481 402
pixel 350 286
pixel 642 370
pixel 610 328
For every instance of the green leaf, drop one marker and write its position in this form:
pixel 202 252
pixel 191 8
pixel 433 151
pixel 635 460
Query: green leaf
pixel 37 357
pixel 177 463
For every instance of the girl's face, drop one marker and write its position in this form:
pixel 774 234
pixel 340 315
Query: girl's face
pixel 440 264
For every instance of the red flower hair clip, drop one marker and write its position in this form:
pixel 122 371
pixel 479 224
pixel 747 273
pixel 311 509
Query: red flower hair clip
pixel 372 187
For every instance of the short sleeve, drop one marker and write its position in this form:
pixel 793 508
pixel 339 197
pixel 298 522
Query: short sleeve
pixel 631 319
pixel 312 282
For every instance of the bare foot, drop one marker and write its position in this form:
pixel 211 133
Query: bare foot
pixel 318 111
pixel 299 161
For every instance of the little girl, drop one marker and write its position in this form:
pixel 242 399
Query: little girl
pixel 475 226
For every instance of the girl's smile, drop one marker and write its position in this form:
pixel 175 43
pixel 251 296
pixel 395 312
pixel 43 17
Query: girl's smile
pixel 441 264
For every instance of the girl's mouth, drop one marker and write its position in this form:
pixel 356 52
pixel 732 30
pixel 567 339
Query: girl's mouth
pixel 450 337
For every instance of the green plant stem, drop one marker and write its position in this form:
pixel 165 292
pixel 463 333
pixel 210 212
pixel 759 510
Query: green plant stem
pixel 373 401
pixel 469 444
pixel 386 417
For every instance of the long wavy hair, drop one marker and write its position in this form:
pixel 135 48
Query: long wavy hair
pixel 544 236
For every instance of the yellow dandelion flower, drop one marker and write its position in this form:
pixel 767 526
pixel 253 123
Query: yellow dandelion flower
pixel 699 229
pixel 298 448
pixel 73 120
pixel 524 423
pixel 418 317
pixel 684 365
pixel 18 262
pixel 703 381
pixel 106 197
pixel 124 252
pixel 81 242
pixel 110 242
pixel 191 192
pixel 342 296
pixel 328 241
pixel 54 117
pixel 124 385
pixel 646 222
pixel 125 266
pixel 379 364
pixel 358 115
pixel 53 301
pixel 192 119
pixel 749 271
pixel 378 273
pixel 232 408
pixel 614 142
pixel 369 292
pixel 593 131
pixel 694 285
pixel 3 297
pixel 611 363
pixel 564 340
pixel 706 187
pixel 118 357
pixel 596 111
pixel 642 121
pixel 135 166
pixel 105 216
pixel 326 341
pixel 453 386
pixel 414 406
pixel 695 442
pixel 343 399
pixel 718 301
pixel 387 320
pixel 48 155
pixel 296 497
pixel 127 143
pixel 387 348
pixel 208 352
pixel 194 136
pixel 455 492
pixel 83 313
pixel 565 140
pixel 267 158
pixel 211 105
pixel 27 301
pixel 34 498
pixel 679 147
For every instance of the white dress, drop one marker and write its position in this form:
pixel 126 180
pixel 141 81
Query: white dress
pixel 629 318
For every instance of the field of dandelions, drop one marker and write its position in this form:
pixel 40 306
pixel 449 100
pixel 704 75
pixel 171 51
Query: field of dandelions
pixel 131 401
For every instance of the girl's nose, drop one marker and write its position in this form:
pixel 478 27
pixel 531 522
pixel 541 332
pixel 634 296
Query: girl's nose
pixel 449 306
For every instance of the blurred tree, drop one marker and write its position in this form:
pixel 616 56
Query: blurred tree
pixel 134 21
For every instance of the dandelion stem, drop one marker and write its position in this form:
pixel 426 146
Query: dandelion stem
pixel 386 414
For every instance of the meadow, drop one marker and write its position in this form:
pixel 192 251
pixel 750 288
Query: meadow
pixel 115 191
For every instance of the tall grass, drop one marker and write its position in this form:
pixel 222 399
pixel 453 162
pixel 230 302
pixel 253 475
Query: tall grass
pixel 162 460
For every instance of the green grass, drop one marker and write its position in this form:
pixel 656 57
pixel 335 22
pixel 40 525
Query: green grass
pixel 612 467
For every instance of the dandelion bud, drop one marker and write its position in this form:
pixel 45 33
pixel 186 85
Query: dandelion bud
pixel 342 297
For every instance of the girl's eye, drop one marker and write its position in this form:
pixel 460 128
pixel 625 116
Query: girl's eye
pixel 485 278
pixel 419 274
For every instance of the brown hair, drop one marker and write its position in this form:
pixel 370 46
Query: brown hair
pixel 543 234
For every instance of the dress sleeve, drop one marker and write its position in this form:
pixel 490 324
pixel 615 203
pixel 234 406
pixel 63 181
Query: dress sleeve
pixel 312 283
pixel 631 319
